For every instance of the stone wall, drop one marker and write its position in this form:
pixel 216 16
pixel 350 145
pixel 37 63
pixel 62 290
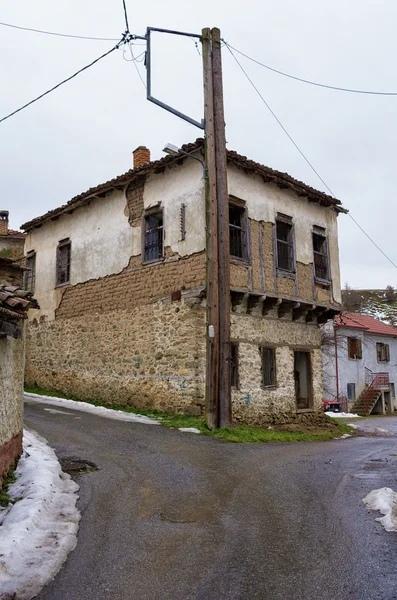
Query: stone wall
pixel 11 401
pixel 257 405
pixel 149 355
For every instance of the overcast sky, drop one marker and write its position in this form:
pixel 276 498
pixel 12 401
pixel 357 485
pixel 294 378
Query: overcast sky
pixel 83 134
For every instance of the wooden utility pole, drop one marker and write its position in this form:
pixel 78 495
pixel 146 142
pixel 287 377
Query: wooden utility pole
pixel 218 380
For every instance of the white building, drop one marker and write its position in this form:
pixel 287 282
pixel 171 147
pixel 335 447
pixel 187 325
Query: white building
pixel 360 363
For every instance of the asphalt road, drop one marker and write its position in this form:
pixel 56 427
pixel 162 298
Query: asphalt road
pixel 172 515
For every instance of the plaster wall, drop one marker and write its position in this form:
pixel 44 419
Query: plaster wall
pixel 11 398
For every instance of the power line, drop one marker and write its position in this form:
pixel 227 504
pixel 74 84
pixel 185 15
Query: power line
pixel 134 59
pixel 323 85
pixel 127 27
pixel 303 155
pixel 67 35
pixel 62 82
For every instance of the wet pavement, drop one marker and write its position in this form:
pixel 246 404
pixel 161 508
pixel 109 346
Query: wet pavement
pixel 178 516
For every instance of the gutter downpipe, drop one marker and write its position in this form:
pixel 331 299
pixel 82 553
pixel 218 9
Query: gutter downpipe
pixel 336 361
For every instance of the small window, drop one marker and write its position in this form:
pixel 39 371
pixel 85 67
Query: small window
pixel 234 364
pixel 320 250
pixel 153 247
pixel 30 276
pixel 351 391
pixel 393 391
pixel 268 367
pixel 354 348
pixel 238 231
pixel 63 262
pixel 382 352
pixel 285 246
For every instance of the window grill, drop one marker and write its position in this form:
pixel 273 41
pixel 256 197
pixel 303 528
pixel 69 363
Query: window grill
pixel 238 232
pixel 320 250
pixel 285 246
pixel 63 262
pixel 153 249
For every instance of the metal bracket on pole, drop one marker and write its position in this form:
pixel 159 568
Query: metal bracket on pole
pixel 149 96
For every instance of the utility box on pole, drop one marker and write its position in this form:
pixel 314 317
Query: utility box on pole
pixel 218 378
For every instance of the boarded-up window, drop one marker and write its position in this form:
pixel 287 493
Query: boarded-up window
pixel 268 366
pixel 320 251
pixel 354 348
pixel 63 262
pixel 285 246
pixel 153 245
pixel 234 364
pixel 238 226
pixel 30 276
pixel 382 352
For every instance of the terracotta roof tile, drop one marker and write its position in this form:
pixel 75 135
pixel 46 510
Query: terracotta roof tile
pixel 368 324
pixel 269 175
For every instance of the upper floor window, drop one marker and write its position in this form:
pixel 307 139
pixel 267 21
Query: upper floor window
pixel 238 230
pixel 30 276
pixel 153 242
pixel 320 251
pixel 285 244
pixel 354 348
pixel 382 352
pixel 63 262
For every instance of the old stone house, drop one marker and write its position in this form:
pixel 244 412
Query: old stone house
pixel 120 274
pixel 360 363
pixel 11 242
pixel 14 303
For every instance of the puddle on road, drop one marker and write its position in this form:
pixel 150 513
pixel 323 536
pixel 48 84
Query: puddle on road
pixel 77 466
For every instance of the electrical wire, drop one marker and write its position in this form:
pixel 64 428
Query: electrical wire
pixel 62 82
pixel 303 155
pixel 127 27
pixel 322 85
pixel 67 35
pixel 134 60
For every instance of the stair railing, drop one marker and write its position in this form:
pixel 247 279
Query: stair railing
pixel 379 382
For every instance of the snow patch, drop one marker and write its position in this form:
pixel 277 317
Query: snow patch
pixel 385 501
pixel 100 411
pixel 189 429
pixel 344 436
pixel 39 530
pixel 341 415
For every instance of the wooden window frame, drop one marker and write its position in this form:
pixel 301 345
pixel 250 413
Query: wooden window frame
pixel 382 352
pixel 30 276
pixel 239 204
pixel 62 245
pixel 272 369
pixel 354 348
pixel 290 243
pixel 234 365
pixel 320 232
pixel 151 214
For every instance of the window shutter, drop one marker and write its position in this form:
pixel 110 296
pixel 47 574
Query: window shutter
pixel 387 352
pixel 359 348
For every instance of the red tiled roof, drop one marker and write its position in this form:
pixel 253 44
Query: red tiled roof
pixel 368 324
pixel 15 302
pixel 283 180
pixel 14 234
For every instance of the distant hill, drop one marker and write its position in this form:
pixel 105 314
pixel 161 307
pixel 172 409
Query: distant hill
pixel 380 304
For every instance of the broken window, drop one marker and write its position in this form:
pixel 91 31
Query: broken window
pixel 30 276
pixel 354 348
pixel 285 245
pixel 268 367
pixel 234 364
pixel 351 391
pixel 382 352
pixel 320 250
pixel 238 231
pixel 153 244
pixel 63 262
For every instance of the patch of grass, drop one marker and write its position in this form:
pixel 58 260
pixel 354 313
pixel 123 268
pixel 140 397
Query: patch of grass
pixel 10 478
pixel 238 434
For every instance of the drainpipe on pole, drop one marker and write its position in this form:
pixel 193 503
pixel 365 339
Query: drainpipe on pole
pixel 336 362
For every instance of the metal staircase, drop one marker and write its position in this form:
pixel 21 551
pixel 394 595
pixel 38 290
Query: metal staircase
pixel 375 384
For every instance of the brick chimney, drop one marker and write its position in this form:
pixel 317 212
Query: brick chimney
pixel 141 156
pixel 3 222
